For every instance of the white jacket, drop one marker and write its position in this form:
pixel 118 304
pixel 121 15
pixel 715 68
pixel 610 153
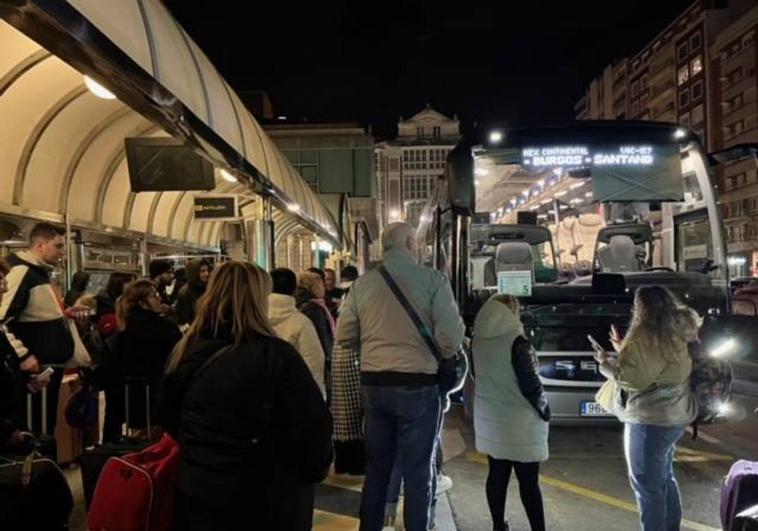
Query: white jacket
pixel 296 329
pixel 506 425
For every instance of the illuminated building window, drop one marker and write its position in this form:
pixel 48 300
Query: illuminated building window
pixel 696 65
pixel 682 75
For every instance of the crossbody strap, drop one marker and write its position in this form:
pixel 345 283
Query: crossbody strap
pixel 420 326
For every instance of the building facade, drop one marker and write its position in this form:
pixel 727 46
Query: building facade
pixel 336 160
pixel 701 72
pixel 408 167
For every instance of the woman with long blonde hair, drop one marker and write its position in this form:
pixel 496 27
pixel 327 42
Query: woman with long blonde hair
pixel 652 370
pixel 253 427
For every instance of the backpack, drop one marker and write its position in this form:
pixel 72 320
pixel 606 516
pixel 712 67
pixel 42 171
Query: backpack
pixel 711 383
pixel 136 492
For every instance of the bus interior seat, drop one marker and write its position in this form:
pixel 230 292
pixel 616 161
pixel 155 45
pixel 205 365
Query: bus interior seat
pixel 620 255
pixel 564 238
pixel 584 232
pixel 514 256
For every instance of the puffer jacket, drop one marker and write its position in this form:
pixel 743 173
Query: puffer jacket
pixel 32 312
pixel 254 430
pixel 655 384
pixel 511 412
pixel 296 329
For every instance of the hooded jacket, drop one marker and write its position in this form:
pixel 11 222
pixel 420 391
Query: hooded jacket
pixel 186 300
pixel 656 383
pixel 32 311
pixel 296 329
pixel 511 412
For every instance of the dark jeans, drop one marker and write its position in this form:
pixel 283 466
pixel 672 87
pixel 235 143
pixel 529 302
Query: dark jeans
pixel 529 490
pixel 401 423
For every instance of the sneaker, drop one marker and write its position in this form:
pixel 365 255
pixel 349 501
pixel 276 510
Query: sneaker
pixel 444 483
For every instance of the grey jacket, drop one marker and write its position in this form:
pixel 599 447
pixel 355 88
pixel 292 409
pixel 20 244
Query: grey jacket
pixel 372 318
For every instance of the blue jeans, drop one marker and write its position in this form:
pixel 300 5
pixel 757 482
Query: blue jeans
pixel 649 452
pixel 401 423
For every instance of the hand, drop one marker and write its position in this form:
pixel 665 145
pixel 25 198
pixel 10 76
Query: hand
pixel 30 364
pixel 615 338
pixel 80 313
pixel 36 385
pixel 601 356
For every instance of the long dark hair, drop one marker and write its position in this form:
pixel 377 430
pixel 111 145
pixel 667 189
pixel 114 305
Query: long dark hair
pixel 134 293
pixel 79 281
pixel 116 283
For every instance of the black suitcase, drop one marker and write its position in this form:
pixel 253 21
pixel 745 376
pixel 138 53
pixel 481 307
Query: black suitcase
pixel 34 494
pixel 93 459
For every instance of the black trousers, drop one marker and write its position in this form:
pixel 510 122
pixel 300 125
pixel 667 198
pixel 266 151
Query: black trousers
pixel 529 489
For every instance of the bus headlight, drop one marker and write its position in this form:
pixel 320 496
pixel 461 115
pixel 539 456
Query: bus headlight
pixel 724 348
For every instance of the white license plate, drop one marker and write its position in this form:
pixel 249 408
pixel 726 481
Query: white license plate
pixel 592 409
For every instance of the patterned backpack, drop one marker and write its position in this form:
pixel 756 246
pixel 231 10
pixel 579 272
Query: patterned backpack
pixel 711 383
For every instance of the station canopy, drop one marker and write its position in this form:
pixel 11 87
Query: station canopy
pixel 62 147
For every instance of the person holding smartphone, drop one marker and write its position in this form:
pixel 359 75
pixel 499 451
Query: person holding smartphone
pixel 653 368
pixel 13 434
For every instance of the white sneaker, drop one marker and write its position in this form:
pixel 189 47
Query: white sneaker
pixel 444 483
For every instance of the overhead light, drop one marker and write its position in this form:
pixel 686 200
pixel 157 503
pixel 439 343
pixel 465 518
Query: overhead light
pixel 508 210
pixel 541 183
pixel 496 136
pixel 293 207
pixel 98 90
pixel 481 172
pixel 564 207
pixel 281 117
pixel 227 175
pixel 541 216
pixel 561 193
pixel 513 201
pixel 525 192
pixel 534 207
pixel 576 201
pixel 394 214
pixel 588 194
pixel 680 133
pixel 546 201
pixel 558 171
pixel 574 186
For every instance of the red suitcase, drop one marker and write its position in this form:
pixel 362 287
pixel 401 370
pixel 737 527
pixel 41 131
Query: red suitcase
pixel 136 492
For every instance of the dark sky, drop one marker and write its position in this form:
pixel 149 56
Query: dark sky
pixel 503 63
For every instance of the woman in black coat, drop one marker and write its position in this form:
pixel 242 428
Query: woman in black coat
pixel 140 350
pixel 254 429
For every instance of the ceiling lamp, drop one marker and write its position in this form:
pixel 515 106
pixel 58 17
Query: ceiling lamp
pixel 98 90
pixel 227 175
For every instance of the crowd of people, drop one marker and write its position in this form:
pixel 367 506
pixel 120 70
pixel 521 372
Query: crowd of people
pixel 260 376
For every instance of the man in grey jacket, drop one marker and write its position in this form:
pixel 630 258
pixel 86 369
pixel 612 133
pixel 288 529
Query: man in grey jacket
pixel 401 397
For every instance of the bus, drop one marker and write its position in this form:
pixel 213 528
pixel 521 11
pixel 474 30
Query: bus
pixel 572 219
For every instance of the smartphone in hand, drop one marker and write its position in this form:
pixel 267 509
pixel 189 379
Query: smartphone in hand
pixel 597 346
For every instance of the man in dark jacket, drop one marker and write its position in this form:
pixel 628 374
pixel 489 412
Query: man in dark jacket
pixel 198 273
pixel 32 312
pixel 162 273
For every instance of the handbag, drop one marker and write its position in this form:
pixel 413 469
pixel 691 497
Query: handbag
pixel 81 357
pixel 452 371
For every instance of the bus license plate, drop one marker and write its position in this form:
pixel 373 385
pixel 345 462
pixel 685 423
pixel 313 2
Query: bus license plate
pixel 592 409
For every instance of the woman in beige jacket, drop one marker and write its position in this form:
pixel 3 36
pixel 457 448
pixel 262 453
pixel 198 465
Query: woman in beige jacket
pixel 652 370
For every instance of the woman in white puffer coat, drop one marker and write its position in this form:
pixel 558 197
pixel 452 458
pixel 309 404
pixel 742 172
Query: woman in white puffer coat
pixel 511 412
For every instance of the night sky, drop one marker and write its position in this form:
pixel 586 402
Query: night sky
pixel 506 63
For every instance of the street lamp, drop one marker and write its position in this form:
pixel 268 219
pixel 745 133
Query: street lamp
pixel 496 137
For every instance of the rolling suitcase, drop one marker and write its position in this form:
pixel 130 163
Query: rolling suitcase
pixel 136 491
pixel 739 492
pixel 93 459
pixel 46 443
